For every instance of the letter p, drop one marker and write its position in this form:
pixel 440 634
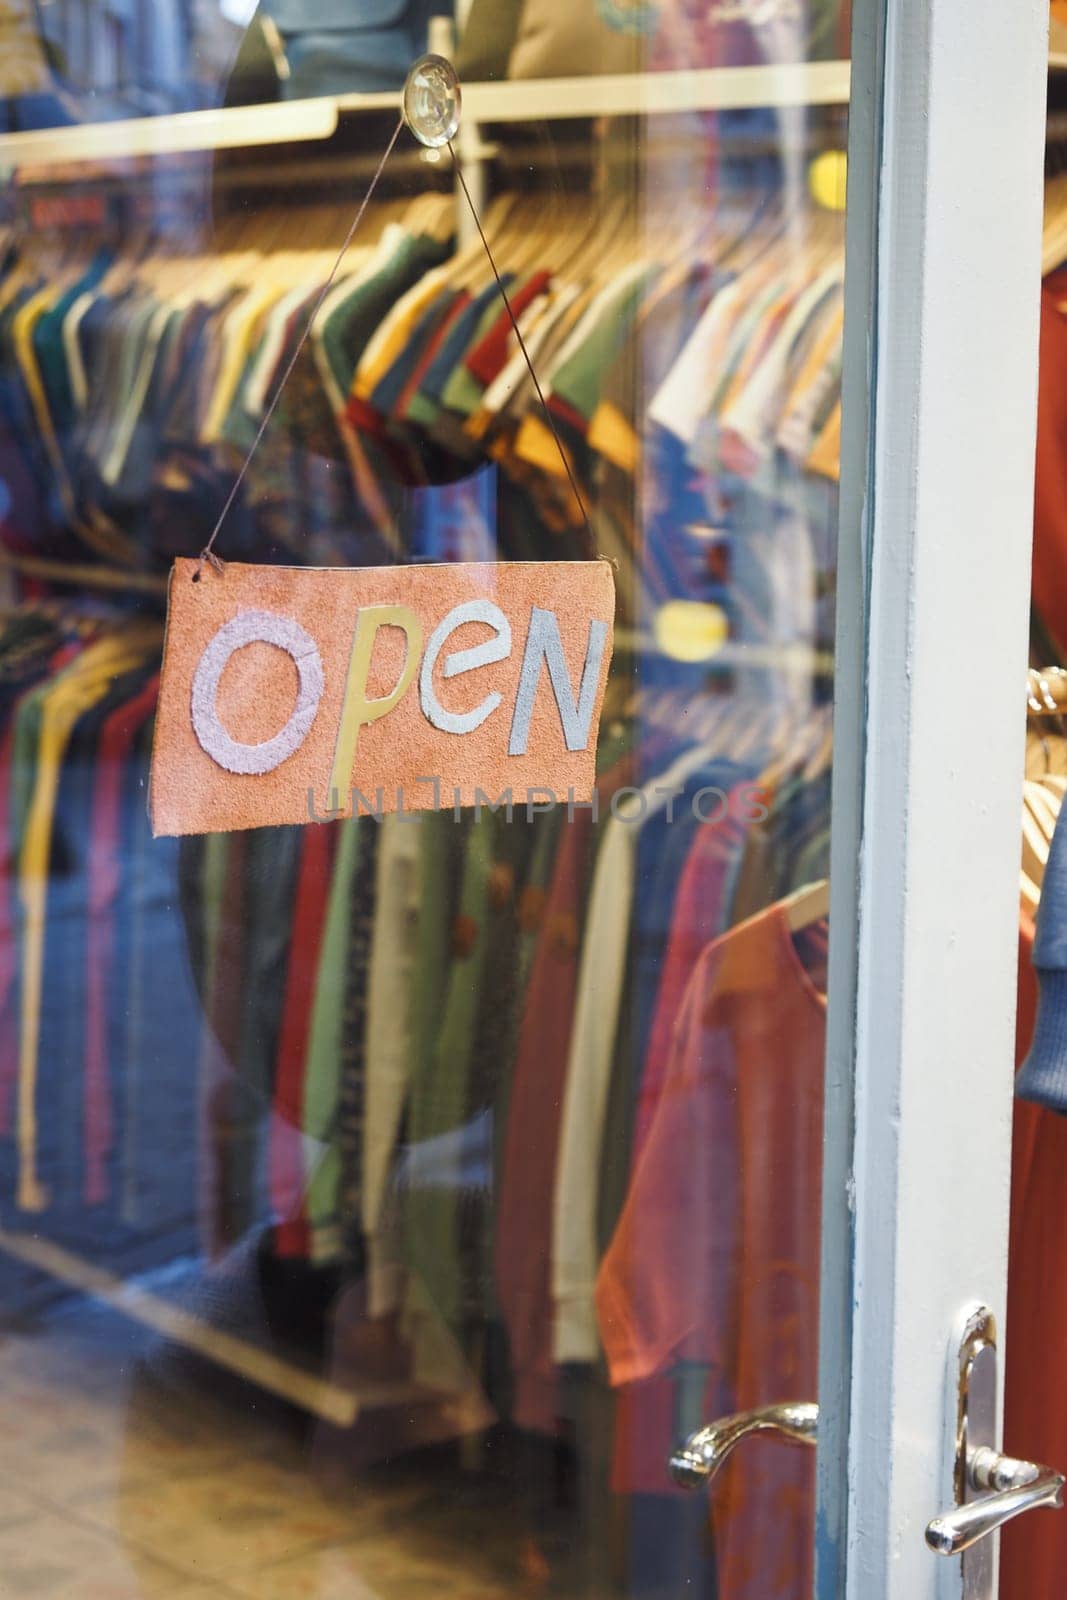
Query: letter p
pixel 359 710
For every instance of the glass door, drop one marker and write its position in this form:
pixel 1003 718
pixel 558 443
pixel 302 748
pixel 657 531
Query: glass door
pixel 489 1197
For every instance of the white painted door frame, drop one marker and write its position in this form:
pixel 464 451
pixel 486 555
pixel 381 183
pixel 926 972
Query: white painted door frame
pixel 945 190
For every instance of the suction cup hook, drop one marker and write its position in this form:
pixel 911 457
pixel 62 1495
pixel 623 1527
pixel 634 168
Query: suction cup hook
pixel 433 101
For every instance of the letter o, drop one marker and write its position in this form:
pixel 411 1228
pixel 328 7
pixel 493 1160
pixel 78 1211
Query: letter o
pixel 722 806
pixel 256 627
pixel 620 799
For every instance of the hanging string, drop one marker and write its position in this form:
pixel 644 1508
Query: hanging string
pixel 522 346
pixel 207 553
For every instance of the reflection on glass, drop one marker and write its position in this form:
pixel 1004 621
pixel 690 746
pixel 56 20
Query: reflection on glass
pixel 381 1201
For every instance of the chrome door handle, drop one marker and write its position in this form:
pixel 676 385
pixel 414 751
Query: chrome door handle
pixel 1015 1487
pixel 703 1454
pixel 990 1488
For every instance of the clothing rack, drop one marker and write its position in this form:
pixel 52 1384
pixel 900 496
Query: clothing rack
pixel 111 578
pixel 337 1403
pixel 183 196
pixel 743 736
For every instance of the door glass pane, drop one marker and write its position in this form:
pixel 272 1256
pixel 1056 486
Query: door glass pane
pixel 383 1200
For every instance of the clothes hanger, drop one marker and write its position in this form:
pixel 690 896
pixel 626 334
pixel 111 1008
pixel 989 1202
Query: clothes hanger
pixel 1054 236
pixel 808 743
pixel 1035 840
pixel 761 242
pixel 759 209
pixel 609 222
pixel 807 905
pixel 577 243
pixel 440 221
pixel 469 266
pixel 1044 749
pixel 1044 803
pixel 1046 754
pixel 1042 796
pixel 820 354
pixel 542 228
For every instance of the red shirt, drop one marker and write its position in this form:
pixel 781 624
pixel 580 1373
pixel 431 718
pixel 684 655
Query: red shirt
pixel 646 1422
pixel 490 354
pixel 523 1254
pixel 286 1161
pixel 716 1257
pixel 1049 567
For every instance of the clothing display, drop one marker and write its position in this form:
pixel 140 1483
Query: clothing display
pixel 83 897
pixel 413 379
pixel 386 1199
pixel 490 1137
pixel 383 1112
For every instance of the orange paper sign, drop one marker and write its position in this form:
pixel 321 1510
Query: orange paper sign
pixel 292 694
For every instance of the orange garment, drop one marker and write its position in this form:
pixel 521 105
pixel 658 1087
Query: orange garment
pixel 1049 568
pixel 1033 1561
pixel 716 1256
pixel 825 457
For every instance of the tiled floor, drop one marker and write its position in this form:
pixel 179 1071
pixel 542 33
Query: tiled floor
pixel 117 1486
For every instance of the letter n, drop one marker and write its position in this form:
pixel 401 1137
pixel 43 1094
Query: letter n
pixel 544 645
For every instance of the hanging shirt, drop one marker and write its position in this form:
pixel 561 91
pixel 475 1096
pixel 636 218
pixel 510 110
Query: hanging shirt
pixel 394 332
pixel 682 398
pixel 51 661
pixel 286 1132
pixel 524 1233
pixel 322 1076
pixel 104 870
pixel 716 1258
pixel 486 360
pixel 352 1099
pixel 388 1052
pixel 61 1044
pixel 428 1281
pixel 75 692
pixel 752 416
pixel 440 1100
pixel 536 324
pixel 1049 566
pixel 575 1256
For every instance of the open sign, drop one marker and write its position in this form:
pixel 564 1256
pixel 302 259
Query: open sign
pixel 290 694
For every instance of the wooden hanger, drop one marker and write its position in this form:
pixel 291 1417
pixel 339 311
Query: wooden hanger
pixel 469 266
pixel 807 905
pixel 1035 844
pixel 1054 237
